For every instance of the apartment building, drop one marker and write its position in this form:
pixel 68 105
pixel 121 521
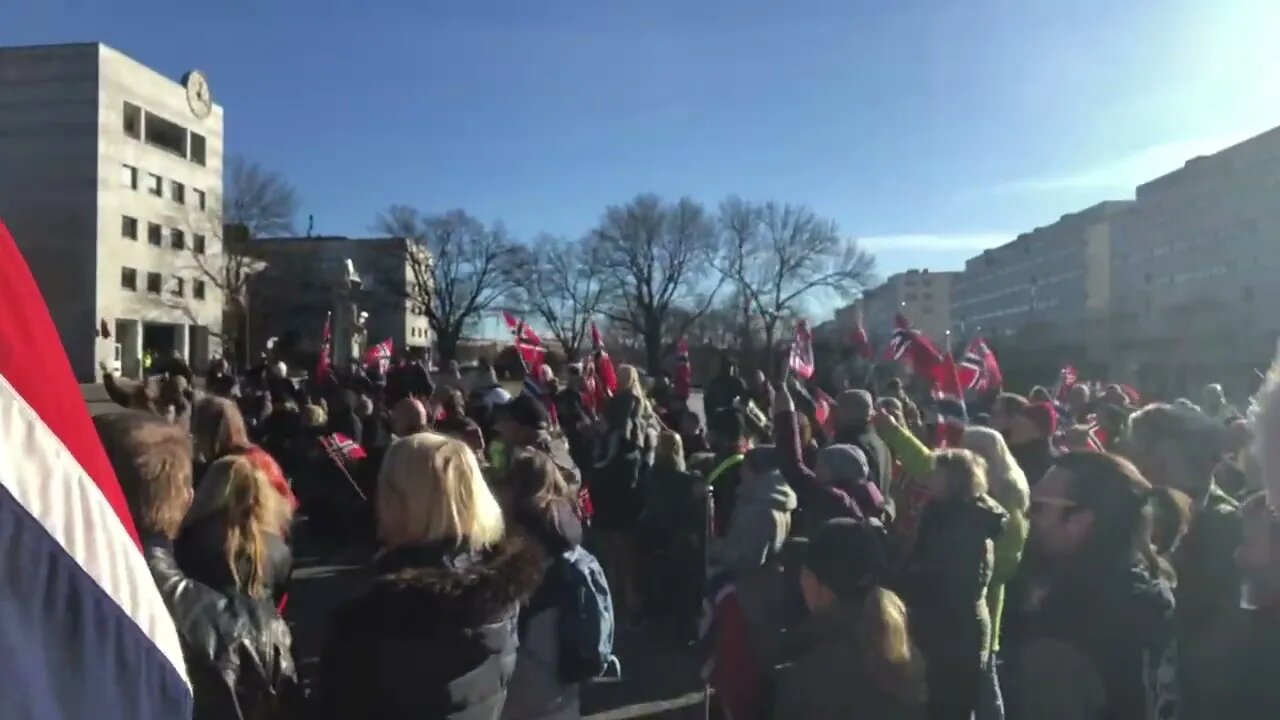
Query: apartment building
pixel 110 181
pixel 922 296
pixel 1052 284
pixel 1194 262
pixel 306 277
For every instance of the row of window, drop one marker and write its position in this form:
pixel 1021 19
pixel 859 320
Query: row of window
pixel 164 134
pixel 155 284
pixel 156 235
pixel 129 176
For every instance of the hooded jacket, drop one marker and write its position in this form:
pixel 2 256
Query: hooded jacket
pixel 750 548
pixel 434 638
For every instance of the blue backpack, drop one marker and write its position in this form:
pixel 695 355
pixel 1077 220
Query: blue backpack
pixel 586 617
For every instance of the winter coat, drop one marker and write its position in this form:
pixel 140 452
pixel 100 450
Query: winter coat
pixel 535 691
pixel 237 649
pixel 722 391
pixel 626 456
pixel 1035 457
pixel 1097 646
pixel 828 678
pixel 879 459
pixel 945 585
pixel 1008 556
pixel 434 638
pixel 201 553
pixel 819 502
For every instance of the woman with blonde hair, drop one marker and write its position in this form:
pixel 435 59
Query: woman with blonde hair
pixel 231 537
pixel 436 635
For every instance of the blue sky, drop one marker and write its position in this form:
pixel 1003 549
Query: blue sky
pixel 929 128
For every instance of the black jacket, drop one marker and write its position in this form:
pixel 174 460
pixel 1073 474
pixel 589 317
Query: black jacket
pixel 237 649
pixel 434 638
pixel 200 551
pixel 1034 457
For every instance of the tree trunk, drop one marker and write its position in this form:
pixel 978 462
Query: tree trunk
pixel 447 345
pixel 653 347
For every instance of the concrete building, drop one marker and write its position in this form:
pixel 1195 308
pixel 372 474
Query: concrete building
pixel 304 278
pixel 1052 284
pixel 110 178
pixel 1194 262
pixel 922 296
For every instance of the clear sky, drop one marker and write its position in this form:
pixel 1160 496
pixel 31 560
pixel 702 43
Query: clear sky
pixel 929 128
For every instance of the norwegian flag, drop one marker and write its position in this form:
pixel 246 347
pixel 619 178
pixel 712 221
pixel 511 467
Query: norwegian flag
pixel 913 348
pixel 606 378
pixel 380 355
pixel 978 370
pixel 823 403
pixel 862 343
pixel 528 345
pixel 684 371
pixel 949 394
pixel 801 360
pixel 1067 377
pixel 324 364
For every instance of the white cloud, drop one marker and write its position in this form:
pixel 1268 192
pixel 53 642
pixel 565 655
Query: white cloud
pixel 935 241
pixel 1123 173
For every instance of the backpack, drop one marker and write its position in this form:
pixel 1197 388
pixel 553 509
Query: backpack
pixel 586 617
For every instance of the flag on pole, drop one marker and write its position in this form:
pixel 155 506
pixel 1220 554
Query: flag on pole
pixel 801 360
pixel 914 349
pixel 684 370
pixel 380 355
pixel 528 345
pixel 84 633
pixel 606 377
pixel 324 364
pixel 978 370
pixel 949 394
pixel 861 342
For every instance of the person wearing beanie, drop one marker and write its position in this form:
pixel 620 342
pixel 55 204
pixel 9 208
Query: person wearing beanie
pixel 853 413
pixel 1030 437
pixel 852 656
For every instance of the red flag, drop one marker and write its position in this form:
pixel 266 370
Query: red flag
pixel 801 359
pixel 380 354
pixel 952 416
pixel 324 364
pixel 979 371
pixel 684 371
pixel 1067 377
pixel 528 345
pixel 822 404
pixel 914 349
pixel 607 378
pixel 862 343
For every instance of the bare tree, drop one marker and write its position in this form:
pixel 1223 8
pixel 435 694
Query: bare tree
pixel 460 268
pixel 655 255
pixel 256 202
pixel 779 254
pixel 558 280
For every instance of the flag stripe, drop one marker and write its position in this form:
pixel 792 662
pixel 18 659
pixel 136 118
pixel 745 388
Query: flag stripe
pixel 43 477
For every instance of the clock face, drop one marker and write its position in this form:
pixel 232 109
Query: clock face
pixel 198 96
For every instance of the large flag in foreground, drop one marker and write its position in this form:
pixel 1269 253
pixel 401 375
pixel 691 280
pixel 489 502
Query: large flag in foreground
pixel 84 633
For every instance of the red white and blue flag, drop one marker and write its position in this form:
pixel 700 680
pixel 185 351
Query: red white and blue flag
pixel 949 394
pixel 914 349
pixel 84 633
pixel 606 377
pixel 801 359
pixel 978 370
pixel 380 355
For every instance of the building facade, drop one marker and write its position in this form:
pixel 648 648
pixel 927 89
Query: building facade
pixel 1194 262
pixel 1051 286
pixel 110 181
pixel 922 296
pixel 305 278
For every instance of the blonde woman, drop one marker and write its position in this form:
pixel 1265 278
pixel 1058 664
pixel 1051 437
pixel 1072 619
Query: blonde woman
pixel 436 635
pixel 231 537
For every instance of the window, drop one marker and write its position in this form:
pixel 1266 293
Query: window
pixel 177 239
pixel 197 148
pixel 197 244
pixel 910 296
pixel 927 295
pixel 153 283
pixel 199 197
pixel 179 287
pixel 129 176
pixel 128 227
pixel 155 184
pixel 154 234
pixel 177 192
pixel 197 289
pixel 133 121
pixel 129 279
pixel 166 135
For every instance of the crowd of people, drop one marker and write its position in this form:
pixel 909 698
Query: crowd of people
pixel 1095 558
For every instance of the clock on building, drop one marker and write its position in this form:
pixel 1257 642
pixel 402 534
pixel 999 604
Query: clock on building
pixel 198 96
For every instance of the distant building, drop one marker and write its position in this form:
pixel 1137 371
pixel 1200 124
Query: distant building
pixel 110 180
pixel 1194 266
pixel 1053 282
pixel 923 297
pixel 304 279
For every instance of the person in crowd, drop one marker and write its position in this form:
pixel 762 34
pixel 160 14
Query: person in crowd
pixel 1255 693
pixel 1030 438
pixel 375 425
pixel 853 656
pixel 537 502
pixel 910 492
pixel 730 441
pixel 435 636
pixel 1040 394
pixel 452 420
pixel 343 418
pixel 626 456
pixel 945 581
pixel 576 420
pixel 1093 618
pixel 672 528
pixel 1232 474
pixel 408 417
pixel 487 394
pixel 137 395
pixel 218 430
pixel 524 425
pixel 1007 486
pixel 760 391
pixel 1213 402
pixel 693 432
pixel 1180 448
pixel 451 378
pixel 1170 518
pixel 853 413
pixel 1006 407
pixel 238 650
pixel 725 389
pixel 231 536
pixel 1079 404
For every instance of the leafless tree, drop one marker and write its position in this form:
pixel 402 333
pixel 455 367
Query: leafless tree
pixel 558 280
pixel 655 255
pixel 256 202
pixel 777 255
pixel 460 268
